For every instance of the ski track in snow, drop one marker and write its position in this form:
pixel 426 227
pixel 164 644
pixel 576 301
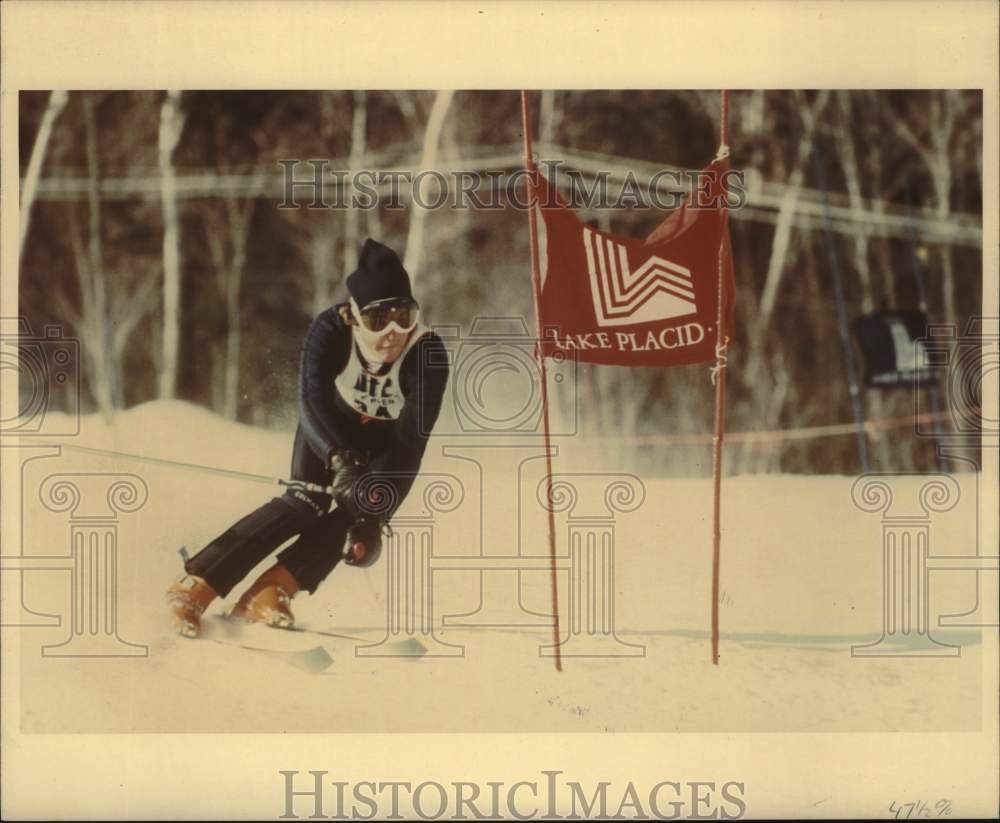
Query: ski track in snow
pixel 801 582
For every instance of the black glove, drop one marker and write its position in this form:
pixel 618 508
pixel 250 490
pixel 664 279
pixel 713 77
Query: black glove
pixel 368 532
pixel 348 459
pixel 349 468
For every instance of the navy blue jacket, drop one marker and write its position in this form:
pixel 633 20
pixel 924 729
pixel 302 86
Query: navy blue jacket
pixel 330 424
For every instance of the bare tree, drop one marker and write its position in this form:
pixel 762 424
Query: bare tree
pixel 352 217
pixel 104 251
pixel 810 114
pixel 413 257
pixel 57 102
pixel 549 116
pixel 930 133
pixel 171 126
pixel 227 227
pixel 848 157
pixel 317 234
pixel 107 313
pixel 872 127
pixel 319 238
pixel 228 221
pixel 102 357
pixel 763 371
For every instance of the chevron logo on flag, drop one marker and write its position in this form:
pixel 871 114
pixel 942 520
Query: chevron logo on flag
pixel 657 290
pixel 629 301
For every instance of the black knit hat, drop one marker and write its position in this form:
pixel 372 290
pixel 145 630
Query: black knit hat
pixel 380 275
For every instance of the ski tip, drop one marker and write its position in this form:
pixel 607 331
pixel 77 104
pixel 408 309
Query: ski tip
pixel 313 661
pixel 411 647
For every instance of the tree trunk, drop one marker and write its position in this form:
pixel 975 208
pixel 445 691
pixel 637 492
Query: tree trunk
pixel 104 384
pixel 322 246
pixel 171 125
pixel 548 118
pixel 352 224
pixel 756 372
pixel 57 102
pixel 874 135
pixel 226 233
pixel 432 133
pixel 321 236
pixel 240 216
pixel 786 212
pixel 232 378
pixel 942 208
pixel 852 176
pixel 941 122
pixel 944 127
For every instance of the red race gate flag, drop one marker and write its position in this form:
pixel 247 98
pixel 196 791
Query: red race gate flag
pixel 625 302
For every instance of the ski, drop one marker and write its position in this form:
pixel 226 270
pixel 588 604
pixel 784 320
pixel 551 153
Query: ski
pixel 302 643
pixel 408 647
pixel 321 633
pixel 297 651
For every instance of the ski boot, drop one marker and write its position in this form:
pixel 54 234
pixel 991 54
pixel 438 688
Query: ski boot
pixel 188 598
pixel 269 599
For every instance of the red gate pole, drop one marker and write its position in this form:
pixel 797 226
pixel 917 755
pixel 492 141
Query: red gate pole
pixel 719 378
pixel 536 282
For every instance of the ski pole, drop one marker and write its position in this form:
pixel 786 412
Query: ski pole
pixel 256 478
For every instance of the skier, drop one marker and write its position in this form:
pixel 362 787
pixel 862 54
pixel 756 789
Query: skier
pixel 371 383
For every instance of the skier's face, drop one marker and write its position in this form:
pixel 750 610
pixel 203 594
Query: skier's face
pixel 384 326
pixel 389 346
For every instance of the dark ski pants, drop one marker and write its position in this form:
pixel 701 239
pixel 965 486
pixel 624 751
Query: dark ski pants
pixel 225 561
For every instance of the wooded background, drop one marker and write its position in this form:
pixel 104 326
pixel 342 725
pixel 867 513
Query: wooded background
pixel 150 232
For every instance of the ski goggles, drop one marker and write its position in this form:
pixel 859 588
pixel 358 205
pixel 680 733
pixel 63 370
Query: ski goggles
pixel 384 316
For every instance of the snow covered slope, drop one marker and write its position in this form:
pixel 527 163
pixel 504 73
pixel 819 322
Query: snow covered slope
pixel 801 584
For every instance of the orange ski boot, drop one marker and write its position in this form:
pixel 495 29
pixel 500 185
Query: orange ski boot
pixel 269 599
pixel 188 598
